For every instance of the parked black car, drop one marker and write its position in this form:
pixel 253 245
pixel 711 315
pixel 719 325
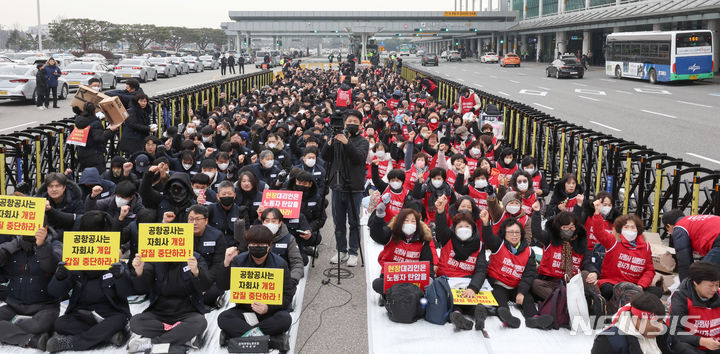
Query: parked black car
pixel 566 67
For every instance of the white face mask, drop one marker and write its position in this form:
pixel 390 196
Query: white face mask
pixel 437 183
pixel 223 166
pixel 475 151
pixel 121 202
pixel 605 209
pixel 272 226
pixel 190 130
pixel 196 121
pixel 209 174
pixel 463 233
pixel 272 145
pixel 396 185
pixel 268 163
pixel 508 161
pixel 198 191
pixel 380 154
pixel 513 209
pixel 629 235
pixel 433 120
pixel 409 229
pixel 480 183
pixel 530 171
pixel 523 186
pixel 420 164
pixel 310 162
pixel 425 135
pixel 206 139
pixel 187 166
pixel 223 132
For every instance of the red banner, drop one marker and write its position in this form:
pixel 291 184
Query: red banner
pixel 78 136
pixel 417 273
pixel 288 202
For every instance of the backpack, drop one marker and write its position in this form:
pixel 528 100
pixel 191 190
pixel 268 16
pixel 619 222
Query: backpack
pixel 402 302
pixel 597 308
pixel 439 301
pixel 492 110
pixel 623 293
pixel 556 306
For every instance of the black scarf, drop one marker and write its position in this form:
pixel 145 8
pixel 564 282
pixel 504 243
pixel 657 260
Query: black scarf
pixel 463 249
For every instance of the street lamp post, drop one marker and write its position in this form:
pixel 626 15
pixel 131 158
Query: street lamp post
pixel 39 29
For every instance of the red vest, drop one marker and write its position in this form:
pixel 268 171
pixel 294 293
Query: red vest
pixel 452 267
pixel 507 172
pixel 397 200
pixel 411 178
pixel 344 98
pixel 536 179
pixel 383 168
pixel 471 164
pixel 571 203
pixel 703 231
pixel 451 178
pixel 528 202
pixel 479 197
pixel 400 251
pixel 392 103
pixel 551 262
pixel 507 267
pixel 421 102
pixel 496 226
pixel 624 264
pixel 705 321
pixel 467 104
pixel 592 238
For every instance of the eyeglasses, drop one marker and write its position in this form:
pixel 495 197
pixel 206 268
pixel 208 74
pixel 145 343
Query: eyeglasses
pixel 513 233
pixel 192 220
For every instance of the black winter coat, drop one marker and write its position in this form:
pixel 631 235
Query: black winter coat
pixel 135 129
pixel 115 291
pixel 352 165
pixel 30 268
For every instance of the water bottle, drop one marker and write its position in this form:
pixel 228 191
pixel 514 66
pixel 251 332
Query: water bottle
pixel 423 302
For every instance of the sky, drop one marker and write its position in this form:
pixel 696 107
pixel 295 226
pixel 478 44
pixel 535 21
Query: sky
pixel 188 13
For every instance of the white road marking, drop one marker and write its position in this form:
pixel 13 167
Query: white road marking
pixel 591 92
pixel 629 93
pixel 703 157
pixel 660 114
pixel 533 92
pixel 544 106
pixel 544 88
pixel 696 104
pixel 608 80
pixel 516 82
pixel 653 90
pixel 714 94
pixel 590 98
pixel 461 79
pixel 493 76
pixel 504 93
pixel 579 84
pixel 477 73
pixel 606 126
pixel 478 85
pixel 18 126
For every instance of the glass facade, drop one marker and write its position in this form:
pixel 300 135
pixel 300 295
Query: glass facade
pixel 517 5
pixel 550 7
pixel 533 8
pixel 574 5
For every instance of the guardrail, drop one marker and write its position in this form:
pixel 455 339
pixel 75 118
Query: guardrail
pixel 641 180
pixel 29 155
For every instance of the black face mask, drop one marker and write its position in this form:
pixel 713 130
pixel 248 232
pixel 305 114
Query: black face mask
pixel 258 251
pixel 301 189
pixel 178 193
pixel 352 129
pixel 227 201
pixel 29 239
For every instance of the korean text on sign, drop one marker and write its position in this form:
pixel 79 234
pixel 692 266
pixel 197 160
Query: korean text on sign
pixel 90 250
pixel 287 201
pixel 165 242
pixel 263 285
pixel 417 273
pixel 483 297
pixel 21 215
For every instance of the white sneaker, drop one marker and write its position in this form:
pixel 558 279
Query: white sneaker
pixel 139 344
pixel 343 258
pixel 42 108
pixel 352 260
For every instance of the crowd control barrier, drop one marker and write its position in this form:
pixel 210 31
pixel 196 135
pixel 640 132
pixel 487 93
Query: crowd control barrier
pixel 641 180
pixel 29 155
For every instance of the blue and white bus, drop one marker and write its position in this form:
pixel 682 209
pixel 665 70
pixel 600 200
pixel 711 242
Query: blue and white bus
pixel 660 56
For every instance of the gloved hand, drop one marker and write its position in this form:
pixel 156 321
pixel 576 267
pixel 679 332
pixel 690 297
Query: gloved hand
pixel 281 177
pixel 380 210
pixel 117 270
pixel 386 198
pixel 490 190
pixel 242 210
pixel 61 273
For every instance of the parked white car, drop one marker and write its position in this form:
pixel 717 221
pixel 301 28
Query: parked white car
pixel 79 73
pixel 140 69
pixel 489 57
pixel 17 82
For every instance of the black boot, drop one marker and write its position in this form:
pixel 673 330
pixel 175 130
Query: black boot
pixel 481 314
pixel 59 343
pixel 461 323
pixel 507 318
pixel 38 341
pixel 539 322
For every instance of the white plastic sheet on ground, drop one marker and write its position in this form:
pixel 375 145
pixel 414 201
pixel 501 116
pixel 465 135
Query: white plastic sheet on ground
pixel 212 333
pixel 385 336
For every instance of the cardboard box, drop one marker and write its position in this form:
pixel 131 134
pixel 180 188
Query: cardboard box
pixel 115 112
pixel 663 256
pixel 87 94
pixel 664 281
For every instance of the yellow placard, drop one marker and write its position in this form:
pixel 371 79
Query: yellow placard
pixel 90 250
pixel 263 285
pixel 165 242
pixel 21 215
pixel 483 297
pixel 459 13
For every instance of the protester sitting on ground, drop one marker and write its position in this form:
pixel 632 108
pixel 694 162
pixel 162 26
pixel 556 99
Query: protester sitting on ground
pixel 511 272
pixel 567 194
pixel 693 234
pixel 608 212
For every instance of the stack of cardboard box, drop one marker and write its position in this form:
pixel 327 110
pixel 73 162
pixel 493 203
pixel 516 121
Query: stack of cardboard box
pixel 111 106
pixel 663 260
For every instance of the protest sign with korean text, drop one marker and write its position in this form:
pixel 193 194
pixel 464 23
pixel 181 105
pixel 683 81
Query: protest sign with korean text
pixel 288 202
pixel 90 250
pixel 21 215
pixel 165 242
pixel 483 297
pixel 417 273
pixel 263 285
pixel 78 136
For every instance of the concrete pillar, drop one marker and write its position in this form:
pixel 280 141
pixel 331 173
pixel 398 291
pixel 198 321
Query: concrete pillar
pixel 714 26
pixel 617 2
pixel 538 47
pixel 540 8
pixel 515 44
pixel 617 29
pixel 560 43
pixel 479 47
pixel 587 45
pixel 561 6
pixel 505 43
pixel 657 27
pixel 523 11
pixel 466 5
pixel 237 42
pixel 587 4
pixel 523 43
pixel 492 41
